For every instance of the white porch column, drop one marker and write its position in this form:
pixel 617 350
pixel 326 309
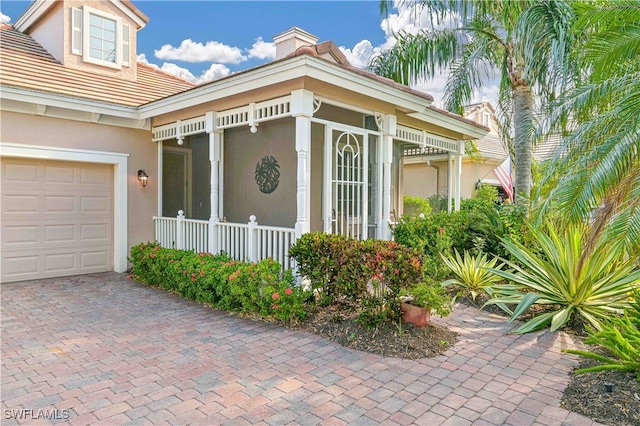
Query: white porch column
pixel 449 180
pixel 302 110
pixel 389 132
pixel 215 142
pixel 458 174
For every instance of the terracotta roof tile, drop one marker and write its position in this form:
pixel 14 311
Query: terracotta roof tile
pixel 26 64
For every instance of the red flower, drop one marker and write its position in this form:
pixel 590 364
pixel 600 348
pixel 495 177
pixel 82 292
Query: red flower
pixel 275 306
pixel 275 296
pixel 441 230
pixel 288 291
pixel 201 273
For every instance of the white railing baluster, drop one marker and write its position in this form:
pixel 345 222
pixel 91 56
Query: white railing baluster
pixel 243 242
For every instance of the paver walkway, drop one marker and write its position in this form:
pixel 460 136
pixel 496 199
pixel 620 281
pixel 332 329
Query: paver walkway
pixel 102 349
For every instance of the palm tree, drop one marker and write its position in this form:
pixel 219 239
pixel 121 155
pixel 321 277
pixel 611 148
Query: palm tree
pixel 526 42
pixel 598 177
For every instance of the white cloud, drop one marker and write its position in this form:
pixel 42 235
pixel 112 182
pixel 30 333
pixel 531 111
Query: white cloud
pixel 190 51
pixel 360 54
pixel 214 72
pixel 262 50
pixel 4 19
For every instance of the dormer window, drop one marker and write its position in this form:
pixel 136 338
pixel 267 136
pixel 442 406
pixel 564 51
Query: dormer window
pixel 486 118
pixel 99 37
pixel 102 38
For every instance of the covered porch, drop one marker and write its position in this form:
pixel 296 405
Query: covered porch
pixel 250 180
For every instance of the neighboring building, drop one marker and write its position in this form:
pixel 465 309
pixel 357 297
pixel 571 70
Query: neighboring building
pixel 305 143
pixel 426 172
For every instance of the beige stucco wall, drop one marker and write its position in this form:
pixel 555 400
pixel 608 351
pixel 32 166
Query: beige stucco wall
pixel 243 150
pixel 419 179
pixel 49 34
pixel 45 131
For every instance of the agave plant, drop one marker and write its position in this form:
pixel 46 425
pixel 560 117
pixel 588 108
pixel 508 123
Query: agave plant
pixel 569 275
pixel 475 273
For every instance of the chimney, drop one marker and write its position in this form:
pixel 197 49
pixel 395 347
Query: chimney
pixel 289 41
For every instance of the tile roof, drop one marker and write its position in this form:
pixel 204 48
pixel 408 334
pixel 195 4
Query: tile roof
pixel 24 63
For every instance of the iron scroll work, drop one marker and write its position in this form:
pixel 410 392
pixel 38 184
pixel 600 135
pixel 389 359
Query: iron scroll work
pixel 268 174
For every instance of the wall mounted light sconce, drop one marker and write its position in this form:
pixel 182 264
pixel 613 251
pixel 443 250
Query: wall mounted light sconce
pixel 143 177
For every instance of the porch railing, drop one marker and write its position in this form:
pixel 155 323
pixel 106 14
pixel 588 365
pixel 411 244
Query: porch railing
pixel 182 233
pixel 249 241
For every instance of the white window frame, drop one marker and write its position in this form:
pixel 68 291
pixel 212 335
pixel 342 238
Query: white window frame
pixel 486 118
pixel 122 44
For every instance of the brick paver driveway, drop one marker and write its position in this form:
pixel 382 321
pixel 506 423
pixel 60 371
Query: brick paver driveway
pixel 102 349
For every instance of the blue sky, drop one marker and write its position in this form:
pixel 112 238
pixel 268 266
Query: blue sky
pixel 204 40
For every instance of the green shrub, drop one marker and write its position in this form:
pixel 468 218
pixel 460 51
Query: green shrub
pixel 488 193
pixel 415 206
pixel 343 267
pixel 620 337
pixel 337 265
pixel 220 281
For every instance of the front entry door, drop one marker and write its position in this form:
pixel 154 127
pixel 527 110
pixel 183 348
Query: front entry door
pixel 346 192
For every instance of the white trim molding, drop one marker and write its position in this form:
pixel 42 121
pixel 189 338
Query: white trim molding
pixel 118 160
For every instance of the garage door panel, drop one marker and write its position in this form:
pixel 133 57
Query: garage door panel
pixel 60 234
pixel 19 236
pixel 95 232
pixel 62 225
pixel 93 177
pixel 60 262
pixel 90 205
pixel 90 260
pixel 58 204
pixel 54 175
pixel 20 173
pixel 19 204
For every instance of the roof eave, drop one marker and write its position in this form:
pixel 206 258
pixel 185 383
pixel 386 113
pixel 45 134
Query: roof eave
pixel 70 107
pixel 282 71
pixel 467 127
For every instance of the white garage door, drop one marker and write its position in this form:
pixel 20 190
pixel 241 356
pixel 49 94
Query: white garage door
pixel 57 218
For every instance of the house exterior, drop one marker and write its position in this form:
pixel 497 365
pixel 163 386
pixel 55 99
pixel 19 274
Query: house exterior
pixel 244 164
pixel 425 172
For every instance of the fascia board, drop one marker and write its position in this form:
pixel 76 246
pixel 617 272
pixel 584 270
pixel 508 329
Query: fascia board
pixel 303 66
pixel 443 120
pixel 32 14
pixel 68 102
pixel 127 11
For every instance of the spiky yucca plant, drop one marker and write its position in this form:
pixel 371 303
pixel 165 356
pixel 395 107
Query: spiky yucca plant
pixel 475 275
pixel 592 279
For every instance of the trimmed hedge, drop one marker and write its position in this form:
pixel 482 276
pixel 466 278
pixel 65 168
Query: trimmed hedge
pixel 220 281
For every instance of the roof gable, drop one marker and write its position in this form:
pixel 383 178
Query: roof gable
pixel 39 9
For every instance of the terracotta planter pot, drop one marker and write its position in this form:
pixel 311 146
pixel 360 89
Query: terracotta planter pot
pixel 416 315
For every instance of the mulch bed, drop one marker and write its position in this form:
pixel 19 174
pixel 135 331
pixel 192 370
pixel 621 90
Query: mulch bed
pixel 338 324
pixel 587 395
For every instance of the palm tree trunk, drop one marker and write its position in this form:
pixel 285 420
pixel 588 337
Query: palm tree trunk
pixel 523 129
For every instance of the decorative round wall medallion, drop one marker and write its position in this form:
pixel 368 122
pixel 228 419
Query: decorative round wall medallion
pixel 268 174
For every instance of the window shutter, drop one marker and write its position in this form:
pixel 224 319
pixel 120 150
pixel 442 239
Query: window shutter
pixel 76 31
pixel 125 45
